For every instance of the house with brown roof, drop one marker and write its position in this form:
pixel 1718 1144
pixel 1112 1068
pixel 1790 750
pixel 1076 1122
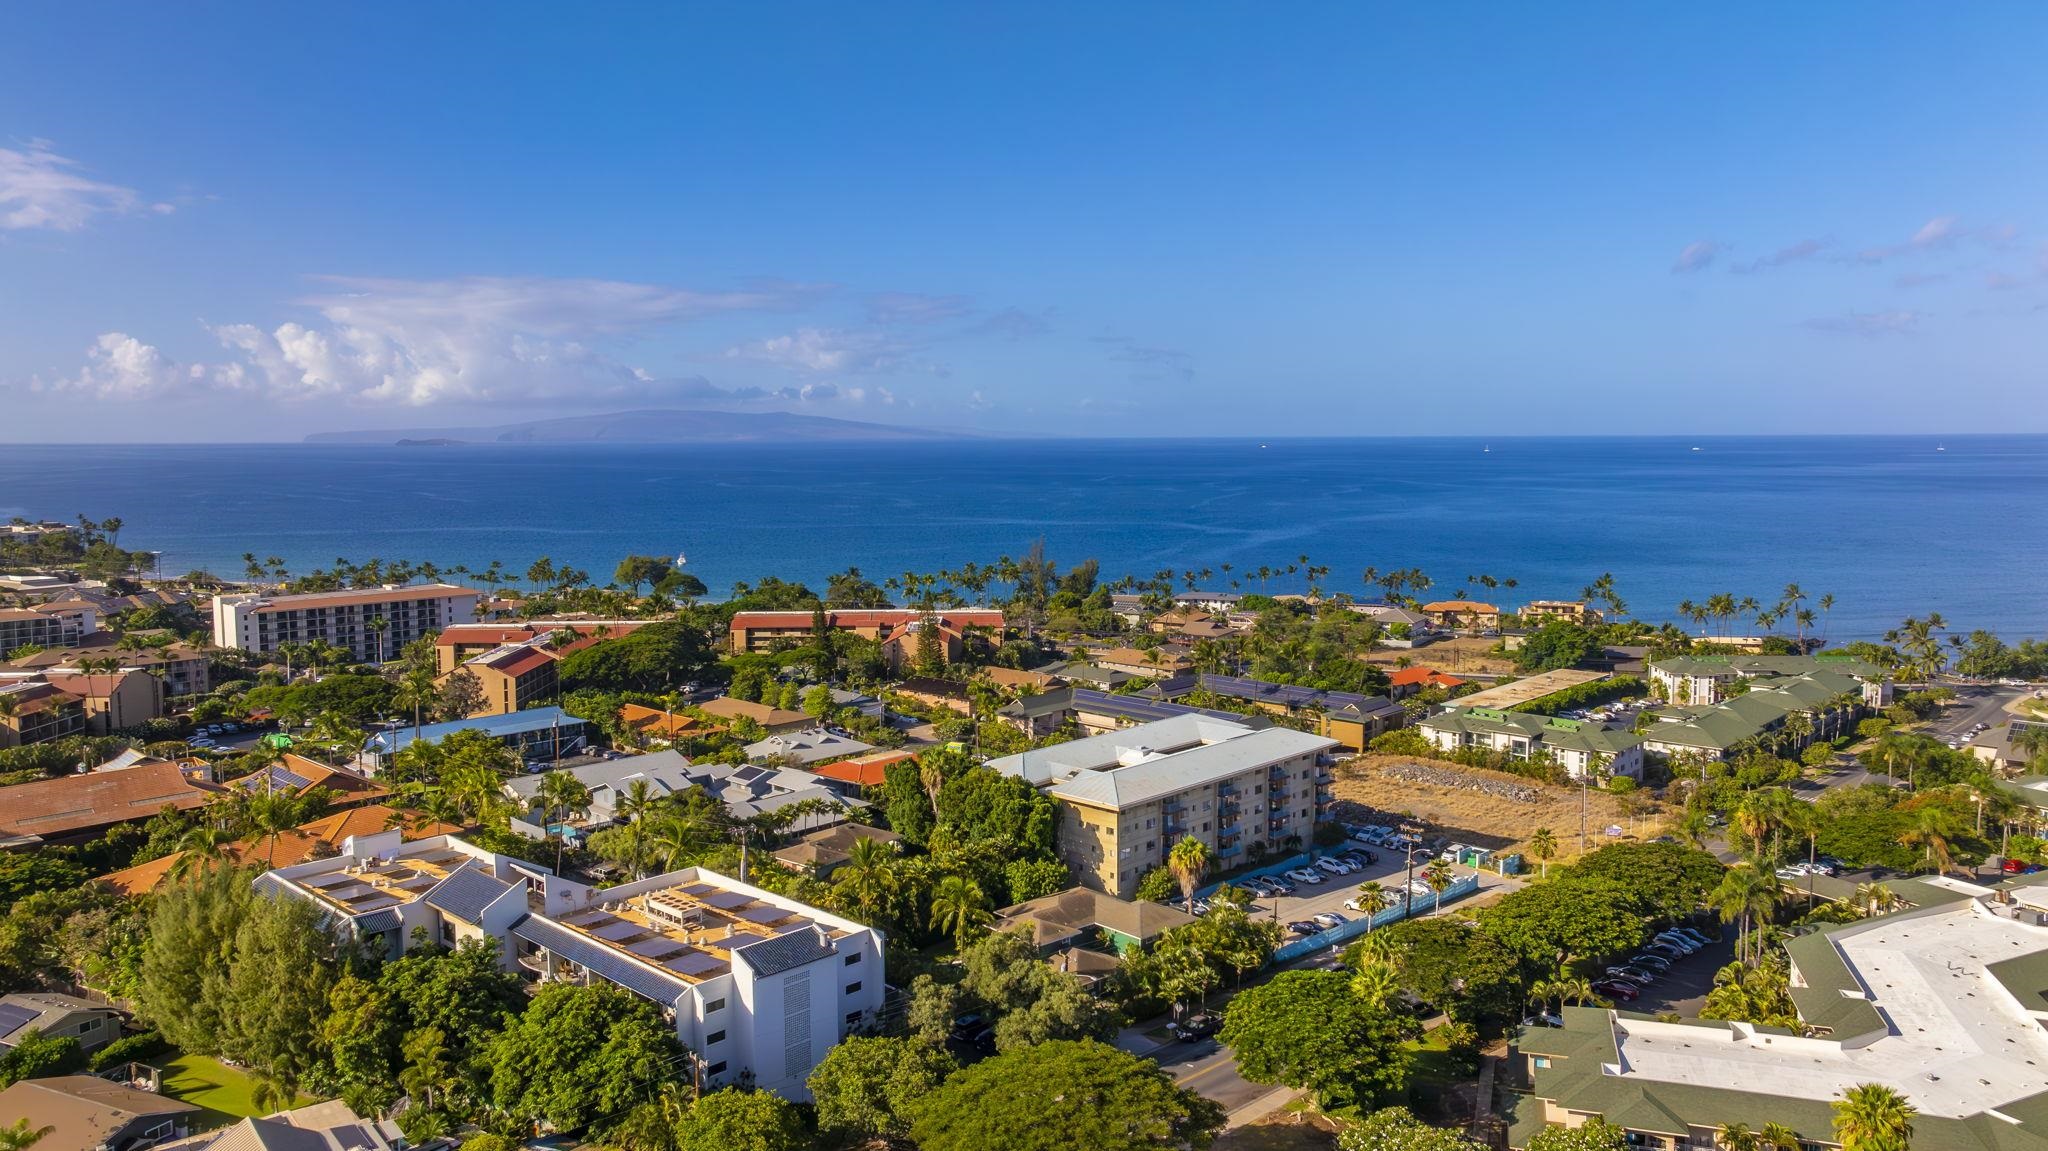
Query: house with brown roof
pixel 1154 664
pixel 295 773
pixel 774 720
pixel 1406 681
pixel 1091 920
pixel 852 776
pixel 113 701
pixel 57 1016
pixel 1462 613
pixel 319 839
pixel 1016 680
pixel 76 808
pixel 33 710
pixel 769 630
pixel 655 723
pixel 821 852
pixel 455 645
pixel 86 1113
pixel 513 677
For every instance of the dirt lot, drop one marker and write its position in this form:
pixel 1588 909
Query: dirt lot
pixel 1495 820
pixel 1283 1130
pixel 1460 655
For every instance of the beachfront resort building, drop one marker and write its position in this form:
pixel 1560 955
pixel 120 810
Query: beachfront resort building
pixel 1541 611
pixel 1703 680
pixel 769 630
pixel 46 625
pixel 1581 748
pixel 1941 1003
pixel 1127 796
pixel 1454 614
pixel 259 623
pixel 757 986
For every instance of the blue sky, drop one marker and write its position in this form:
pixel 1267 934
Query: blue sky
pixel 223 222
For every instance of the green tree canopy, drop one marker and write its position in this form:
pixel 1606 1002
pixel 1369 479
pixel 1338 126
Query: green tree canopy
pixel 1396 1129
pixel 1592 1135
pixel 868 1087
pixel 1060 1096
pixel 736 1120
pixel 1664 880
pixel 580 1052
pixel 1308 1029
pixel 654 658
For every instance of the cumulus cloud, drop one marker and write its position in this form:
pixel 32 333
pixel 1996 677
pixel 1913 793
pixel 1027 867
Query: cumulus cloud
pixel 40 189
pixel 828 351
pixel 916 308
pixel 120 367
pixel 1939 233
pixel 1869 324
pixel 421 342
pixel 1697 256
pixel 1791 254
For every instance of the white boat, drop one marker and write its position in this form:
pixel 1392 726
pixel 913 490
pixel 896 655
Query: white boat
pixel 681 559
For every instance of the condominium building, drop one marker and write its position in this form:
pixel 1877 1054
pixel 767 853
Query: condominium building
pixel 1941 1003
pixel 46 625
pixel 33 710
pixel 768 630
pixel 1569 610
pixel 1786 702
pixel 1348 717
pixel 758 986
pixel 259 623
pixel 1703 680
pixel 1579 747
pixel 512 677
pixel 1126 797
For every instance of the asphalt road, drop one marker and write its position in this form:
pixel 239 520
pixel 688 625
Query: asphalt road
pixel 1987 704
pixel 1208 1068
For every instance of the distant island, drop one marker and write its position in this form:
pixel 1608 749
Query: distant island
pixel 656 426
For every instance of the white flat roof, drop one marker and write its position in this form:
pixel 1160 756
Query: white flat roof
pixel 1959 1043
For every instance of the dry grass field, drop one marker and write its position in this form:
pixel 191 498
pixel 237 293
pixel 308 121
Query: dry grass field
pixel 1485 818
pixel 1460 655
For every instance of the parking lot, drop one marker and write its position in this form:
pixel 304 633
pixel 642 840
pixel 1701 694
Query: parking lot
pixel 1329 896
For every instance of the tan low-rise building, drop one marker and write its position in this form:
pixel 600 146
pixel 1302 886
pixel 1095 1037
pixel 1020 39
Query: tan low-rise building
pixel 1154 663
pixel 1126 797
pixel 1570 611
pixel 773 720
pixel 1453 614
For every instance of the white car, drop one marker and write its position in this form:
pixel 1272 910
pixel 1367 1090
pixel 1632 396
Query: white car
pixel 1371 833
pixel 1305 875
pixel 1361 903
pixel 1334 866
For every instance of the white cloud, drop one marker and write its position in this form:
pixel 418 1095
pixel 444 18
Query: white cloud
pixel 828 351
pixel 1791 254
pixel 1697 256
pixel 422 342
pixel 40 189
pixel 916 308
pixel 120 367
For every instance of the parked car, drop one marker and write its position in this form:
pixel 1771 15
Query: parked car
pixel 1694 934
pixel 1304 927
pixel 1365 858
pixel 1361 903
pixel 1194 1027
pixel 1335 866
pixel 971 1028
pixel 1615 989
pixel 2019 867
pixel 1681 942
pixel 1649 962
pixel 1632 974
pixel 1279 885
pixel 1305 875
pixel 1331 919
pixel 1544 1019
pixel 1664 951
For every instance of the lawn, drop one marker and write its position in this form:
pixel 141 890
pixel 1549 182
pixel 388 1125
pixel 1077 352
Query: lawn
pixel 222 1091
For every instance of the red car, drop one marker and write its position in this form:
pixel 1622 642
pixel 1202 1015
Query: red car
pixel 1616 989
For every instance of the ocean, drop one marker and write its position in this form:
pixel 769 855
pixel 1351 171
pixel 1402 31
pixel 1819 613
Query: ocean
pixel 1891 526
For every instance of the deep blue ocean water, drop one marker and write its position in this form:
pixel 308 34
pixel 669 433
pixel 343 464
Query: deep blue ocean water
pixel 1890 525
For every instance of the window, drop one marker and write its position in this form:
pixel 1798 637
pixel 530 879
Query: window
pixel 1150 823
pixel 853 1019
pixel 714 1005
pixel 853 988
pixel 1539 1061
pixel 853 959
pixel 717 1068
pixel 714 1037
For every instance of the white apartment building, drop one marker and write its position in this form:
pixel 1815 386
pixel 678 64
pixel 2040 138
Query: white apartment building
pixel 755 984
pixel 46 625
pixel 259 623
pixel 1126 797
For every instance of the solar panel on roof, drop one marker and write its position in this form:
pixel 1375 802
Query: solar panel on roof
pixel 695 963
pixel 381 901
pixel 750 773
pixel 618 929
pixel 13 1017
pixel 765 914
pixel 727 900
pixel 698 889
pixel 326 881
pixel 656 947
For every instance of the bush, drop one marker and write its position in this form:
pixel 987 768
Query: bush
pixel 130 1049
pixel 1583 695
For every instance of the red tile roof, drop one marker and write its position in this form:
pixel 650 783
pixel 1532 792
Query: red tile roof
pixel 874 618
pixel 1423 675
pixel 73 803
pixel 866 770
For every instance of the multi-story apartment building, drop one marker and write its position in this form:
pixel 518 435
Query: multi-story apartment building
pixel 33 710
pixel 1704 680
pixel 259 623
pixel 46 625
pixel 758 986
pixel 1539 611
pixel 1578 746
pixel 767 630
pixel 1940 1003
pixel 1126 797
pixel 513 677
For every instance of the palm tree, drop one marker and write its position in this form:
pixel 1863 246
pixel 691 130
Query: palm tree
pixel 21 1136
pixel 1745 892
pixel 1873 898
pixel 958 907
pixel 867 879
pixel 1543 845
pixel 1873 1117
pixel 1371 898
pixel 377 625
pixel 561 794
pixel 1778 1137
pixel 1736 1137
pixel 933 776
pixel 633 805
pixel 1437 875
pixel 1933 828
pixel 1189 862
pixel 416 693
